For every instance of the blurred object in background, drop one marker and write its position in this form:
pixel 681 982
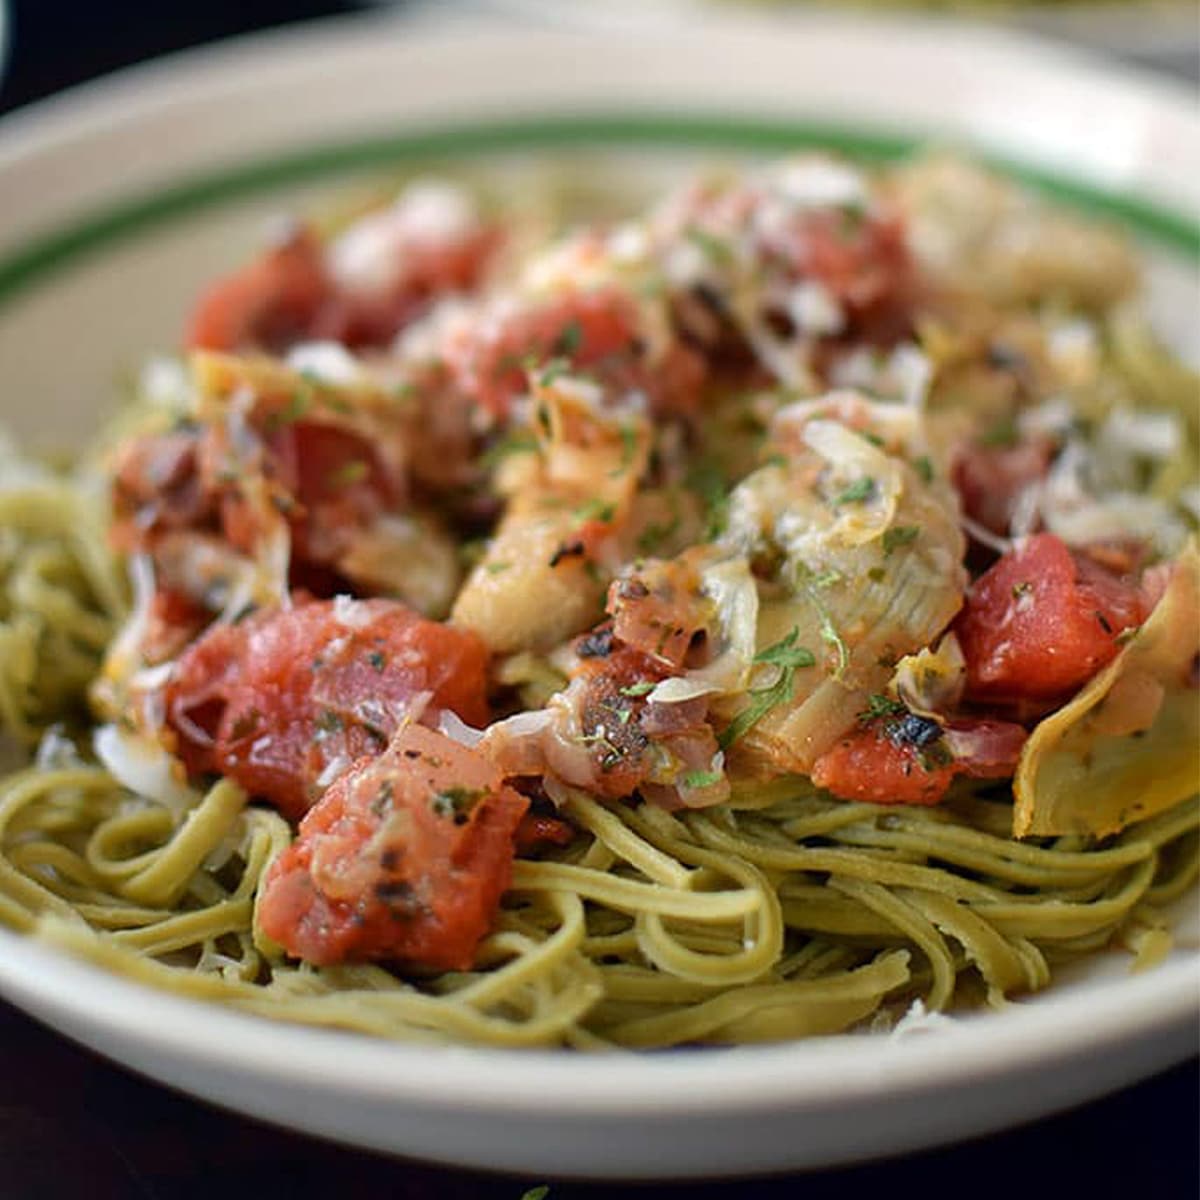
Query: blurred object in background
pixel 53 44
pixel 1164 34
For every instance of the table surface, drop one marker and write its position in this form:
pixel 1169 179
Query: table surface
pixel 72 1125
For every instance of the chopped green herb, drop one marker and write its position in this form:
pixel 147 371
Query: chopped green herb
pixel 881 706
pixel 701 779
pixel 514 443
pixel 554 369
pixel 456 803
pixel 1003 433
pixel 860 489
pixel 496 568
pixel 569 339
pixel 812 585
pixel 653 536
pixel 328 721
pixel 873 438
pixel 897 536
pixel 716 248
pixel 629 443
pixel 826 578
pixel 1021 589
pixel 377 660
pixel 595 510
pixel 706 480
pixel 292 411
pixel 329 398
pixel 643 687
pixel 537 1193
pixel 354 471
pixel 245 724
pixel 924 468
pixel 383 799
pixel 876 574
pixel 790 658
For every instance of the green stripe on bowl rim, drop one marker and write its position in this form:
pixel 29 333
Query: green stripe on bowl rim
pixel 50 252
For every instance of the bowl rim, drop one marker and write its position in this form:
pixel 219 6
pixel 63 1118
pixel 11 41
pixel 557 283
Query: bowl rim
pixel 76 994
pixel 1156 1004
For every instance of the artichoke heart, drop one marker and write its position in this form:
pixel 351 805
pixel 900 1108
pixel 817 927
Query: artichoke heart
pixel 863 555
pixel 1128 745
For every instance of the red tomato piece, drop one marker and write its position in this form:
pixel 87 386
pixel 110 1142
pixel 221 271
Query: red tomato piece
pixel 985 749
pixel 404 858
pixel 536 831
pixel 431 268
pixel 284 700
pixel 1041 622
pixel 174 620
pixel 268 304
pixel 594 332
pixel 157 487
pixel 492 365
pixel 660 614
pixel 863 262
pixel 869 765
pixel 339 482
pixel 989 479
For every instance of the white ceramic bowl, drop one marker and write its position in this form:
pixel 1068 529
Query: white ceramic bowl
pixel 116 201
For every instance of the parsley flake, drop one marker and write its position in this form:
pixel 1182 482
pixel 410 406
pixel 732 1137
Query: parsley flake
pixel 790 658
pixel 354 471
pixel 595 510
pixel 859 490
pixel 879 705
pixel 643 687
pixel 897 536
pixel 569 340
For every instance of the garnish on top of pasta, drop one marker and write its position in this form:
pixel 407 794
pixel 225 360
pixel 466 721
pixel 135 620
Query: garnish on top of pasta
pixel 730 623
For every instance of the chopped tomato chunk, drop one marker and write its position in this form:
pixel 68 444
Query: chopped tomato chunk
pixel 427 269
pixel 869 765
pixel 659 615
pixel 593 331
pixel 174 620
pixel 404 858
pixel 287 295
pixel 865 265
pixel 157 487
pixel 1042 621
pixel 908 759
pixel 990 479
pixel 285 700
pixel 537 830
pixel 268 304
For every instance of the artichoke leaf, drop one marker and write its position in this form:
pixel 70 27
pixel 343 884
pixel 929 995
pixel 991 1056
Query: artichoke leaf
pixel 1128 745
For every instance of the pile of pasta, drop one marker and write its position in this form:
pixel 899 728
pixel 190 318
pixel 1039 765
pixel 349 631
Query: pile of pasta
pixel 755 895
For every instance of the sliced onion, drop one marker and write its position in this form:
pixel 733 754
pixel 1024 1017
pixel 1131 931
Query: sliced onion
pixel 56 751
pixel 524 723
pixel 451 725
pixel 351 613
pixel 144 767
pixel 680 688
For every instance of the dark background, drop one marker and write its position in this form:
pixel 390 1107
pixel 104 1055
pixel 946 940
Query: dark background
pixel 72 1126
